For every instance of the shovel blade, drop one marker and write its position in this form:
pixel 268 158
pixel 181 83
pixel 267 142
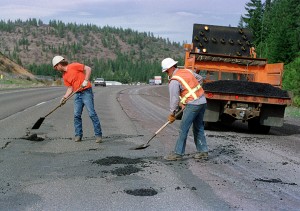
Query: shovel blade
pixel 144 146
pixel 38 123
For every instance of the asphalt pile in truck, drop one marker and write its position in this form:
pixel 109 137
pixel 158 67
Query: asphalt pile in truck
pixel 245 88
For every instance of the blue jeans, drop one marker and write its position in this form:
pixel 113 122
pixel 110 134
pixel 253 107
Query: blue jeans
pixel 85 98
pixel 192 114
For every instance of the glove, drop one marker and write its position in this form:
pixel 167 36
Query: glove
pixel 62 101
pixel 84 83
pixel 171 118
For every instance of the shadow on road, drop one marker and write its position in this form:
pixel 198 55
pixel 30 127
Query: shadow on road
pixel 286 130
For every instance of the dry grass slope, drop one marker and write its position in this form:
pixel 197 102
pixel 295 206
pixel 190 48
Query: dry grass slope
pixel 10 68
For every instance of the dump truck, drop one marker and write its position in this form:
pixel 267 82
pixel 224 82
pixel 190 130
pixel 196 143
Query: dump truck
pixel 237 84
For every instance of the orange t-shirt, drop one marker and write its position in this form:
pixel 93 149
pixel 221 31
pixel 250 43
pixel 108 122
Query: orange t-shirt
pixel 74 76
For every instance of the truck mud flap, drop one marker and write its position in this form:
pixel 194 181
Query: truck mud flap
pixel 212 111
pixel 272 115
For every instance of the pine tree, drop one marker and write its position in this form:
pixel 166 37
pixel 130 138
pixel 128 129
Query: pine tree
pixel 253 19
pixel 241 22
pixel 283 26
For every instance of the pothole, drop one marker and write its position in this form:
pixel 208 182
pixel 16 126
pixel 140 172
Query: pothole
pixel 117 160
pixel 127 170
pixel 33 137
pixel 142 192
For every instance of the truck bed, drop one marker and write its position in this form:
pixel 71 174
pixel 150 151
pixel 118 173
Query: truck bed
pixel 245 88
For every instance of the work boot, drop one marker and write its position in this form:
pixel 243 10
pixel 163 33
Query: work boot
pixel 201 155
pixel 173 157
pixel 77 139
pixel 99 139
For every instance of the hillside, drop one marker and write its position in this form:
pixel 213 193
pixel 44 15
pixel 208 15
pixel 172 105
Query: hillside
pixel 112 52
pixel 8 67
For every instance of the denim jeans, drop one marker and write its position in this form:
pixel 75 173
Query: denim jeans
pixel 192 114
pixel 85 98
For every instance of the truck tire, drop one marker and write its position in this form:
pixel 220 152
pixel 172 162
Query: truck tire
pixel 255 126
pixel 208 125
pixel 227 119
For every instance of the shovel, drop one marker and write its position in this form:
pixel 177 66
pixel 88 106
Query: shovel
pixel 144 146
pixel 41 120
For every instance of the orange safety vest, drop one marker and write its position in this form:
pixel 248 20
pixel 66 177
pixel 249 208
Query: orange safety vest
pixel 192 89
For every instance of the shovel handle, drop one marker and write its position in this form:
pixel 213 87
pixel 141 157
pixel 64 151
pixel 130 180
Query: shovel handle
pixel 168 122
pixel 160 129
pixel 71 95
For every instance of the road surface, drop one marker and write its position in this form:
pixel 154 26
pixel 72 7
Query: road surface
pixel 244 171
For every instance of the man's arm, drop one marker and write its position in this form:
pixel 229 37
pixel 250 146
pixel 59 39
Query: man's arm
pixel 68 92
pixel 88 72
pixel 199 78
pixel 174 91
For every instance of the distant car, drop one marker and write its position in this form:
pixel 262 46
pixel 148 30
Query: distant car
pixel 99 82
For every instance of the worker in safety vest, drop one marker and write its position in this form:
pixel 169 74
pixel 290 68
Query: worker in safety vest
pixel 185 91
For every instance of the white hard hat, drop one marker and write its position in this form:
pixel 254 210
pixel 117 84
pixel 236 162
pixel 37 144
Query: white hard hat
pixel 167 63
pixel 56 60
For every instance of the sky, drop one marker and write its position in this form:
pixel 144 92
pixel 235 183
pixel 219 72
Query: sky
pixel 172 19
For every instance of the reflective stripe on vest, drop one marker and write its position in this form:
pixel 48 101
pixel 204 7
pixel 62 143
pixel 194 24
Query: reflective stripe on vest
pixel 190 91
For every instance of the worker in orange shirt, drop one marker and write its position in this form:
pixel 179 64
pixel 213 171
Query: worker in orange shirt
pixel 75 76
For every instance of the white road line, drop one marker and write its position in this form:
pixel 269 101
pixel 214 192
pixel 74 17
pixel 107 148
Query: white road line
pixel 40 103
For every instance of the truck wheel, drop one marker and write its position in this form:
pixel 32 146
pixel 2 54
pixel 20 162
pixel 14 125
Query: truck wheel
pixel 227 119
pixel 212 126
pixel 255 127
pixel 207 125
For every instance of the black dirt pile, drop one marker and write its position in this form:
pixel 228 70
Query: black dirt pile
pixel 142 192
pixel 117 160
pixel 245 88
pixel 127 170
pixel 33 137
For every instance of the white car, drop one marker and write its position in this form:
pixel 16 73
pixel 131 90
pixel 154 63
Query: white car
pixel 99 82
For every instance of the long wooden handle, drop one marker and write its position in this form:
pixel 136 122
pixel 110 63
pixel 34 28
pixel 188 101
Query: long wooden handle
pixel 71 95
pixel 168 122
pixel 162 127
